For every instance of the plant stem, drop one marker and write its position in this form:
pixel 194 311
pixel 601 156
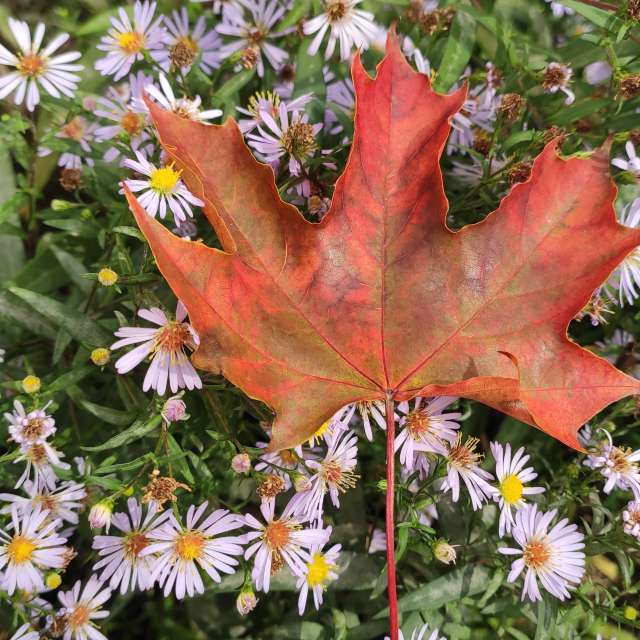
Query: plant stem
pixel 389 518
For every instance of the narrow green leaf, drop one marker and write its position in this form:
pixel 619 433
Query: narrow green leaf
pixel 605 19
pixel 79 326
pixel 176 450
pixel 457 51
pixel 234 84
pixel 137 430
pixel 106 414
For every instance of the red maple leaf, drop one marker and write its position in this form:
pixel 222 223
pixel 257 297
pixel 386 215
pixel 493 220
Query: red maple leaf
pixel 382 300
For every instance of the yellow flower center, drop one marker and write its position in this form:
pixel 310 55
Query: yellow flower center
pixel 277 534
pixel 31 384
pixel 75 129
pixel 107 277
pixel 131 42
pixel 318 570
pixel 173 337
pixel 511 489
pixel 31 65
pixel 418 423
pixel 189 545
pixel 100 356
pixel 20 549
pixel 164 180
pixel 536 554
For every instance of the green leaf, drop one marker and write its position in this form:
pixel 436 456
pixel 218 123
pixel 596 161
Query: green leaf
pixel 106 414
pixel 79 326
pixel 126 466
pixel 310 79
pixel 234 84
pixel 457 51
pixel 14 310
pixel 466 581
pixel 605 19
pixel 137 430
pixel 176 450
pixel 73 267
pixel 68 379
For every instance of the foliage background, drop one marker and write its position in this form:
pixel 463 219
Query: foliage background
pixel 53 312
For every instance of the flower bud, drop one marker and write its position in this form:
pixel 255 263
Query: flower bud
pixel 630 613
pixel 246 601
pixel 301 483
pixel 107 277
pixel 174 409
pixel 31 384
pixel 100 356
pixel 444 552
pixel 53 580
pixel 100 514
pixel 241 463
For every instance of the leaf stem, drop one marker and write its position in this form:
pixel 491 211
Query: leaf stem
pixel 389 518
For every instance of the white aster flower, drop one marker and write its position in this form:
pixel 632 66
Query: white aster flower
pixel 163 189
pixel 333 475
pixel 80 607
pixel 184 46
pixel 295 139
pixel 126 41
pixel 558 9
pixel 556 78
pixel 378 542
pixel 349 26
pixel 80 131
pixel 25 632
pixel 41 459
pixel 598 72
pixel 29 546
pixel 35 67
pixel 626 277
pixel 29 428
pixel 321 569
pixel 182 549
pixel 279 541
pixel 62 503
pixel 619 465
pixel 229 9
pixel 420 633
pixel 166 346
pixel 124 107
pixel 631 519
pixel 631 164
pixel 269 102
pixel 554 557
pixel 251 37
pixel 512 477
pixel 472 172
pixel 424 428
pixel 277 462
pixel 368 411
pixel 122 562
pixel 463 463
pixel 183 107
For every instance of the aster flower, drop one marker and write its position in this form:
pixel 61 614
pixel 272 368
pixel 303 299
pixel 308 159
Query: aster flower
pixel 472 172
pixel 251 37
pixel 279 541
pixel 332 475
pixel 25 632
pixel 420 633
pixel 80 607
pixel 598 72
pixel 378 542
pixel 320 570
pixel 631 519
pixel 62 503
pixel 80 131
pixel 166 346
pixel 41 459
pixel 29 428
pixel 619 465
pixel 121 560
pixel 183 107
pixel 269 102
pixel 29 546
pixel 554 557
pixel 182 549
pixel 229 9
pixel 35 67
pixel 162 189
pixel 184 46
pixel 126 41
pixel 424 428
pixel 626 277
pixel 295 139
pixel 124 107
pixel 350 26
pixel 632 163
pixel 512 477
pixel 368 411
pixel 463 463
pixel 277 462
pixel 558 9
pixel 556 78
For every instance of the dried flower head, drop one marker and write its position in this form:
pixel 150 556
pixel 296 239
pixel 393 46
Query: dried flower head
pixel 629 86
pixel 270 487
pixel 519 172
pixel 162 489
pixel 70 179
pixel 511 106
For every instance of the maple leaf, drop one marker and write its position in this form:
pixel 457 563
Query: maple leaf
pixel 381 300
